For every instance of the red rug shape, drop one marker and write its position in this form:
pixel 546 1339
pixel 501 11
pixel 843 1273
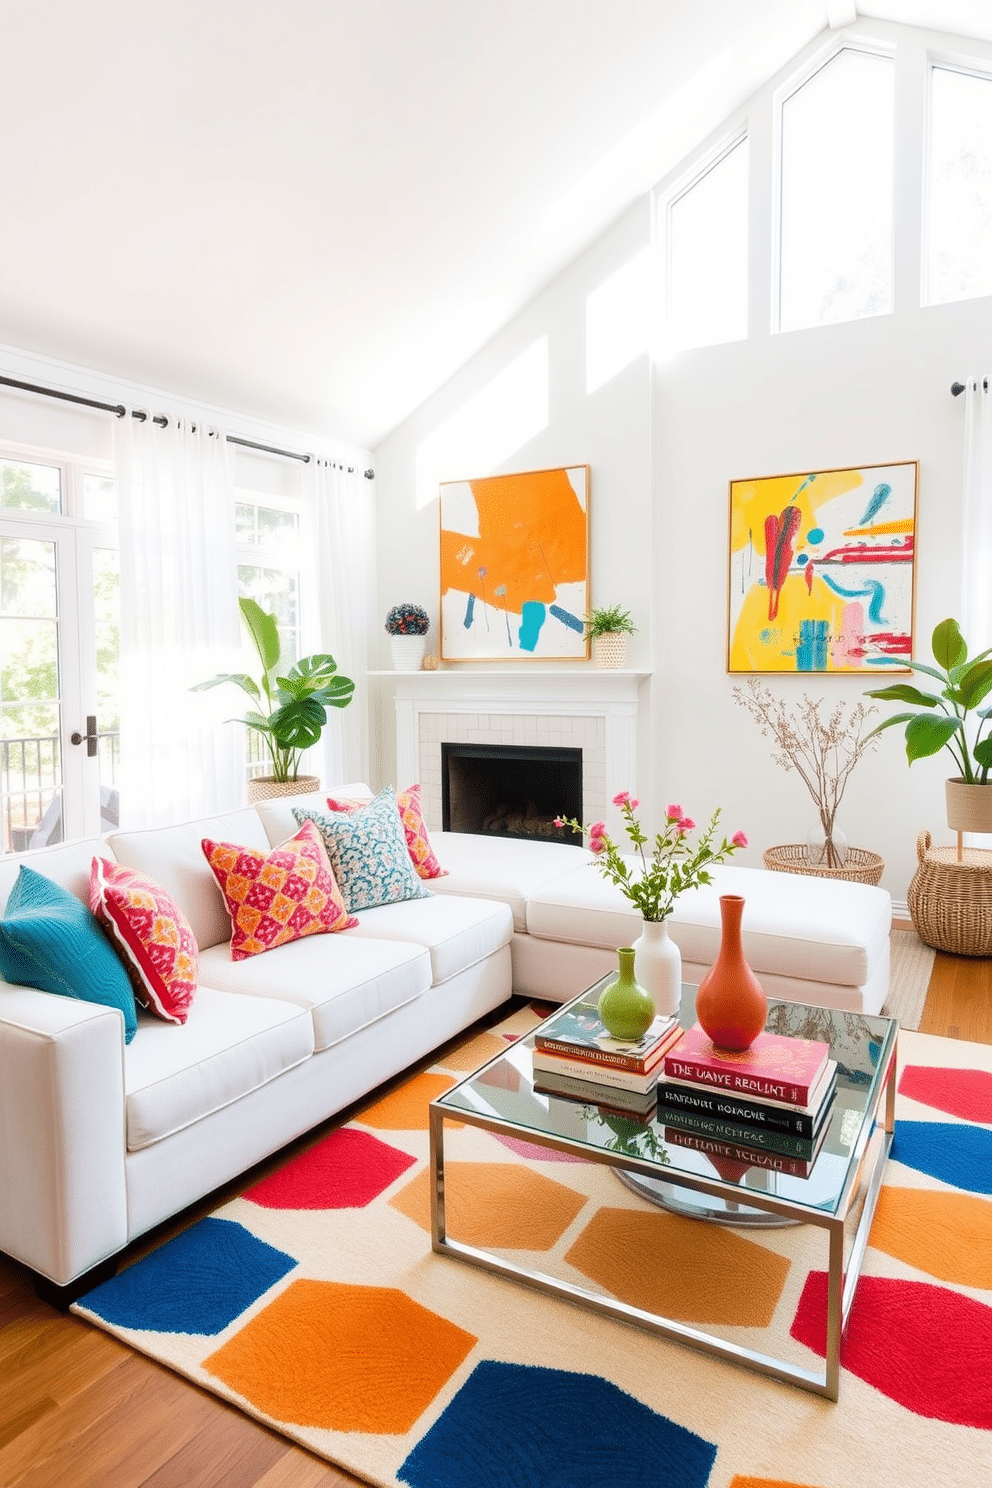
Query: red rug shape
pixel 923 1346
pixel 347 1170
pixel 965 1093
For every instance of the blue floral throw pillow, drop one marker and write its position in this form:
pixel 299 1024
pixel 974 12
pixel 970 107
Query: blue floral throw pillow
pixel 368 852
pixel 51 941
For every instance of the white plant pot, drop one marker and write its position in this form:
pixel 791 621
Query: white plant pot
pixel 407 652
pixel 658 966
pixel 610 650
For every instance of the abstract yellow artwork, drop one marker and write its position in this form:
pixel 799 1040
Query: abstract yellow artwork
pixel 515 566
pixel 822 570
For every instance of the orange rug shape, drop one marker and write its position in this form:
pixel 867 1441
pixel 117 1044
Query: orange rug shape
pixel 382 1358
pixel 680 1268
pixel 738 1482
pixel 947 1235
pixel 495 1206
pixel 405 1108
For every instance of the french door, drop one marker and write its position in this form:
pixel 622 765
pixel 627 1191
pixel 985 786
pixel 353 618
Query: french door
pixel 58 681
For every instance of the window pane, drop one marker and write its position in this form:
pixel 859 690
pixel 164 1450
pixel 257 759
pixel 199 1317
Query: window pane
pixel 266 527
pixel 106 613
pixel 707 256
pixel 99 498
pixel 836 244
pixel 28 487
pixel 959 200
pixel 278 594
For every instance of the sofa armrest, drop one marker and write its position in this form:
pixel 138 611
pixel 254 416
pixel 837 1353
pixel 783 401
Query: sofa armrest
pixel 63 1205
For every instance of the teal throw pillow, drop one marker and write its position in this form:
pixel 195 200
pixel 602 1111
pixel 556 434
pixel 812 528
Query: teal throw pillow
pixel 49 940
pixel 368 852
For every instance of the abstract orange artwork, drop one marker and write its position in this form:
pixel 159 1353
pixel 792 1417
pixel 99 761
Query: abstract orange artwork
pixel 515 566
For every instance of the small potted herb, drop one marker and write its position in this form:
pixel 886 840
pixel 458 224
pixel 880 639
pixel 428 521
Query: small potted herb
pixel 407 626
pixel 608 628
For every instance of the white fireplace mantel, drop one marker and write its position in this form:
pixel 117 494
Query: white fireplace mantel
pixel 592 707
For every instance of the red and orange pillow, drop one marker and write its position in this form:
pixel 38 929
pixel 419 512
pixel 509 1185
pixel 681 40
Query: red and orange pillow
pixel 277 896
pixel 151 935
pixel 422 855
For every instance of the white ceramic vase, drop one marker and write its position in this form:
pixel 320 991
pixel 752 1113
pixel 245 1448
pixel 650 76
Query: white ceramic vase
pixel 407 652
pixel 658 966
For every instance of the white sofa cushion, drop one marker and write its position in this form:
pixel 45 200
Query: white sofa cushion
pixel 67 863
pixel 276 813
pixel 228 1046
pixel 457 932
pixel 810 928
pixel 346 984
pixel 503 868
pixel 173 857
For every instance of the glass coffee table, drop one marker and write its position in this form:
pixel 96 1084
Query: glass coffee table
pixel 837 1194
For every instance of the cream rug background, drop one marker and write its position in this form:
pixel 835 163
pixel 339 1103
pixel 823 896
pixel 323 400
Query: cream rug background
pixel 909 977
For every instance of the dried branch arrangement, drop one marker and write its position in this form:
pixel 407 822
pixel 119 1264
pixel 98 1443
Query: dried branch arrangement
pixel 823 750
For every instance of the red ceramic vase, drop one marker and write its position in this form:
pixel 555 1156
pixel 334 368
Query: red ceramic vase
pixel 731 1006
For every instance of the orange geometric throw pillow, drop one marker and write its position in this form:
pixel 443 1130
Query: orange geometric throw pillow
pixel 411 811
pixel 151 935
pixel 277 896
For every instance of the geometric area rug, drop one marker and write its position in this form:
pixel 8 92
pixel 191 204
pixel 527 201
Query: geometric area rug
pixel 314 1303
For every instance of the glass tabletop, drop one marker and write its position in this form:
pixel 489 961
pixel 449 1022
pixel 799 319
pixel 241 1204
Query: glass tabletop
pixel 503 1092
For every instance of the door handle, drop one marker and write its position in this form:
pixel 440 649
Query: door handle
pixel 90 736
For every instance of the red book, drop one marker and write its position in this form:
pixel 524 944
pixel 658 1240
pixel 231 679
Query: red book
pixel 775 1067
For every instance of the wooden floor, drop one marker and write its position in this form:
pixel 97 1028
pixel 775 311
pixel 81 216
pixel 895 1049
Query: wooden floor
pixel 80 1410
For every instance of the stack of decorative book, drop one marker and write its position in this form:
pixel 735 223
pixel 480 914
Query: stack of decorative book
pixel 772 1098
pixel 575 1056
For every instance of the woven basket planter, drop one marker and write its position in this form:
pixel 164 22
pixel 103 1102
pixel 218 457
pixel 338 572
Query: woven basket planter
pixel 610 648
pixel 950 902
pixel 264 788
pixel 861 866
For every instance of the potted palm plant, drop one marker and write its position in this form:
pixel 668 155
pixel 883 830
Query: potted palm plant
pixel 608 628
pixel 950 718
pixel 295 704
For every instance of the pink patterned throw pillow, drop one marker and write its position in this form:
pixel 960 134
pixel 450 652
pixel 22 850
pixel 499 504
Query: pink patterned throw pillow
pixel 411 811
pixel 277 896
pixel 151 935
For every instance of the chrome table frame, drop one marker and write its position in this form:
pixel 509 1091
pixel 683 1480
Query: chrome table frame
pixel 841 1282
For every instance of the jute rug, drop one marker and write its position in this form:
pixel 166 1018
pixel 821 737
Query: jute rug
pixel 910 967
pixel 313 1302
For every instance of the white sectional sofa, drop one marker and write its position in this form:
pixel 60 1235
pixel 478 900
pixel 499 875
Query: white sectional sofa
pixel 100 1141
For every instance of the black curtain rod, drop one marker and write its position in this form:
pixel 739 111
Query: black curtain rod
pixel 120 411
pixel 957 388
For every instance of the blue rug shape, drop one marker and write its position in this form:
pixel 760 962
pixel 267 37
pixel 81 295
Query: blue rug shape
pixel 961 1155
pixel 513 1424
pixel 198 1282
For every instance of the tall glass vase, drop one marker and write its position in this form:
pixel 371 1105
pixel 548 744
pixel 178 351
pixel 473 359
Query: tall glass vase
pixel 658 966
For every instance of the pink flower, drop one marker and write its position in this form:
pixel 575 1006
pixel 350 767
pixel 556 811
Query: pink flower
pixel 597 845
pixel 621 798
pixel 686 824
pixel 559 821
pixel 739 839
pixel 634 803
pixel 598 829
pixel 674 813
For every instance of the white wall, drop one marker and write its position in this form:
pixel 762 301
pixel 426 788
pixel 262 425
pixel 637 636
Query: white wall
pixel 665 441
pixel 609 429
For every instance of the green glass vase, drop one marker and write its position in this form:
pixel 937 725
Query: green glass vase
pixel 626 1010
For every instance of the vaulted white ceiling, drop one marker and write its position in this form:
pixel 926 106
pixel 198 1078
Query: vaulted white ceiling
pixel 314 211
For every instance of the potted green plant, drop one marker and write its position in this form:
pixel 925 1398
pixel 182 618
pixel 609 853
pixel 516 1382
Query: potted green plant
pixel 951 719
pixel 295 704
pixel 608 627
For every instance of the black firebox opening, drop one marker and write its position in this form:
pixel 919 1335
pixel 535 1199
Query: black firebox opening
pixel 509 790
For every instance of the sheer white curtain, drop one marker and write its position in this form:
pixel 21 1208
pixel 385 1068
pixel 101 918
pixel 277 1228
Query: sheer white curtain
pixel 179 622
pixel 341 506
pixel 976 618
